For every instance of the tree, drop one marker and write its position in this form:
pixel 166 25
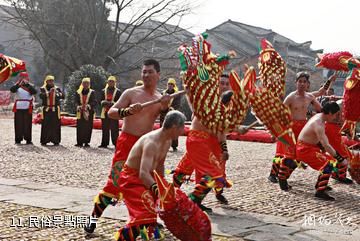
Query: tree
pixel 67 31
pixel 98 77
pixel 76 32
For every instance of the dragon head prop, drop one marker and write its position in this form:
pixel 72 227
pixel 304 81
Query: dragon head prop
pixel 340 61
pixel 201 71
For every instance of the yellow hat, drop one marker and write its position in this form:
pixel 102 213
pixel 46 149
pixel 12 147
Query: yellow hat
pixel 81 87
pixel 139 83
pixel 111 77
pixel 86 79
pixel 173 81
pixel 48 77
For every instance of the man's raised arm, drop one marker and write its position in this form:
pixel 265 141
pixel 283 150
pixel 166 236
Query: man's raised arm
pixel 316 104
pixel 123 107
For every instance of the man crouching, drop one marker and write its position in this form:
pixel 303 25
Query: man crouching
pixel 314 149
pixel 137 183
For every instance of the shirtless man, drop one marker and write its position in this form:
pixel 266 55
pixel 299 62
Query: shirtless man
pixel 298 102
pixel 136 180
pixel 137 121
pixel 206 153
pixel 309 151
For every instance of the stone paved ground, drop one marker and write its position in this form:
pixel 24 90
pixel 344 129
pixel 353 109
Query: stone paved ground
pixel 8 211
pixel 12 229
pixel 248 167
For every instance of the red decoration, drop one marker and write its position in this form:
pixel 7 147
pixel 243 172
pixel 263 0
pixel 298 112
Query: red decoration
pixel 182 217
pixel 351 106
pixel 9 67
pixel 336 61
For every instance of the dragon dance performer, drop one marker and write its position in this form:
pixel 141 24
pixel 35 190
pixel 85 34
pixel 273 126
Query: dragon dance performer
pixel 186 168
pixel 50 95
pixel 309 151
pixel 201 71
pixel 23 108
pixel 217 151
pixel 137 183
pixel 86 101
pixel 208 163
pixel 298 102
pixel 137 122
pixel 109 95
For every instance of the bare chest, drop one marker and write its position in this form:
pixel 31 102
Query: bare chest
pixel 151 110
pixel 300 103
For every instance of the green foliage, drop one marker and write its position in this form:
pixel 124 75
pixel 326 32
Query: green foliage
pixel 71 33
pixel 98 77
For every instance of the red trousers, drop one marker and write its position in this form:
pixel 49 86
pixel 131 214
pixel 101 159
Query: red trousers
pixel 286 150
pixel 139 200
pixel 312 155
pixel 123 146
pixel 185 166
pixel 204 155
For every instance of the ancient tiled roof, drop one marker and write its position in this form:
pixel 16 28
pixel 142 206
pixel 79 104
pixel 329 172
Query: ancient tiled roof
pixel 244 39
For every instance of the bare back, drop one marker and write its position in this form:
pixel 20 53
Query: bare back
pixel 309 133
pixel 142 122
pixel 149 154
pixel 196 125
pixel 314 133
pixel 299 104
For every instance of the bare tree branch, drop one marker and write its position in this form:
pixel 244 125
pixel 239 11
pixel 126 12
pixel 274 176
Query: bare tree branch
pixel 19 17
pixel 79 32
